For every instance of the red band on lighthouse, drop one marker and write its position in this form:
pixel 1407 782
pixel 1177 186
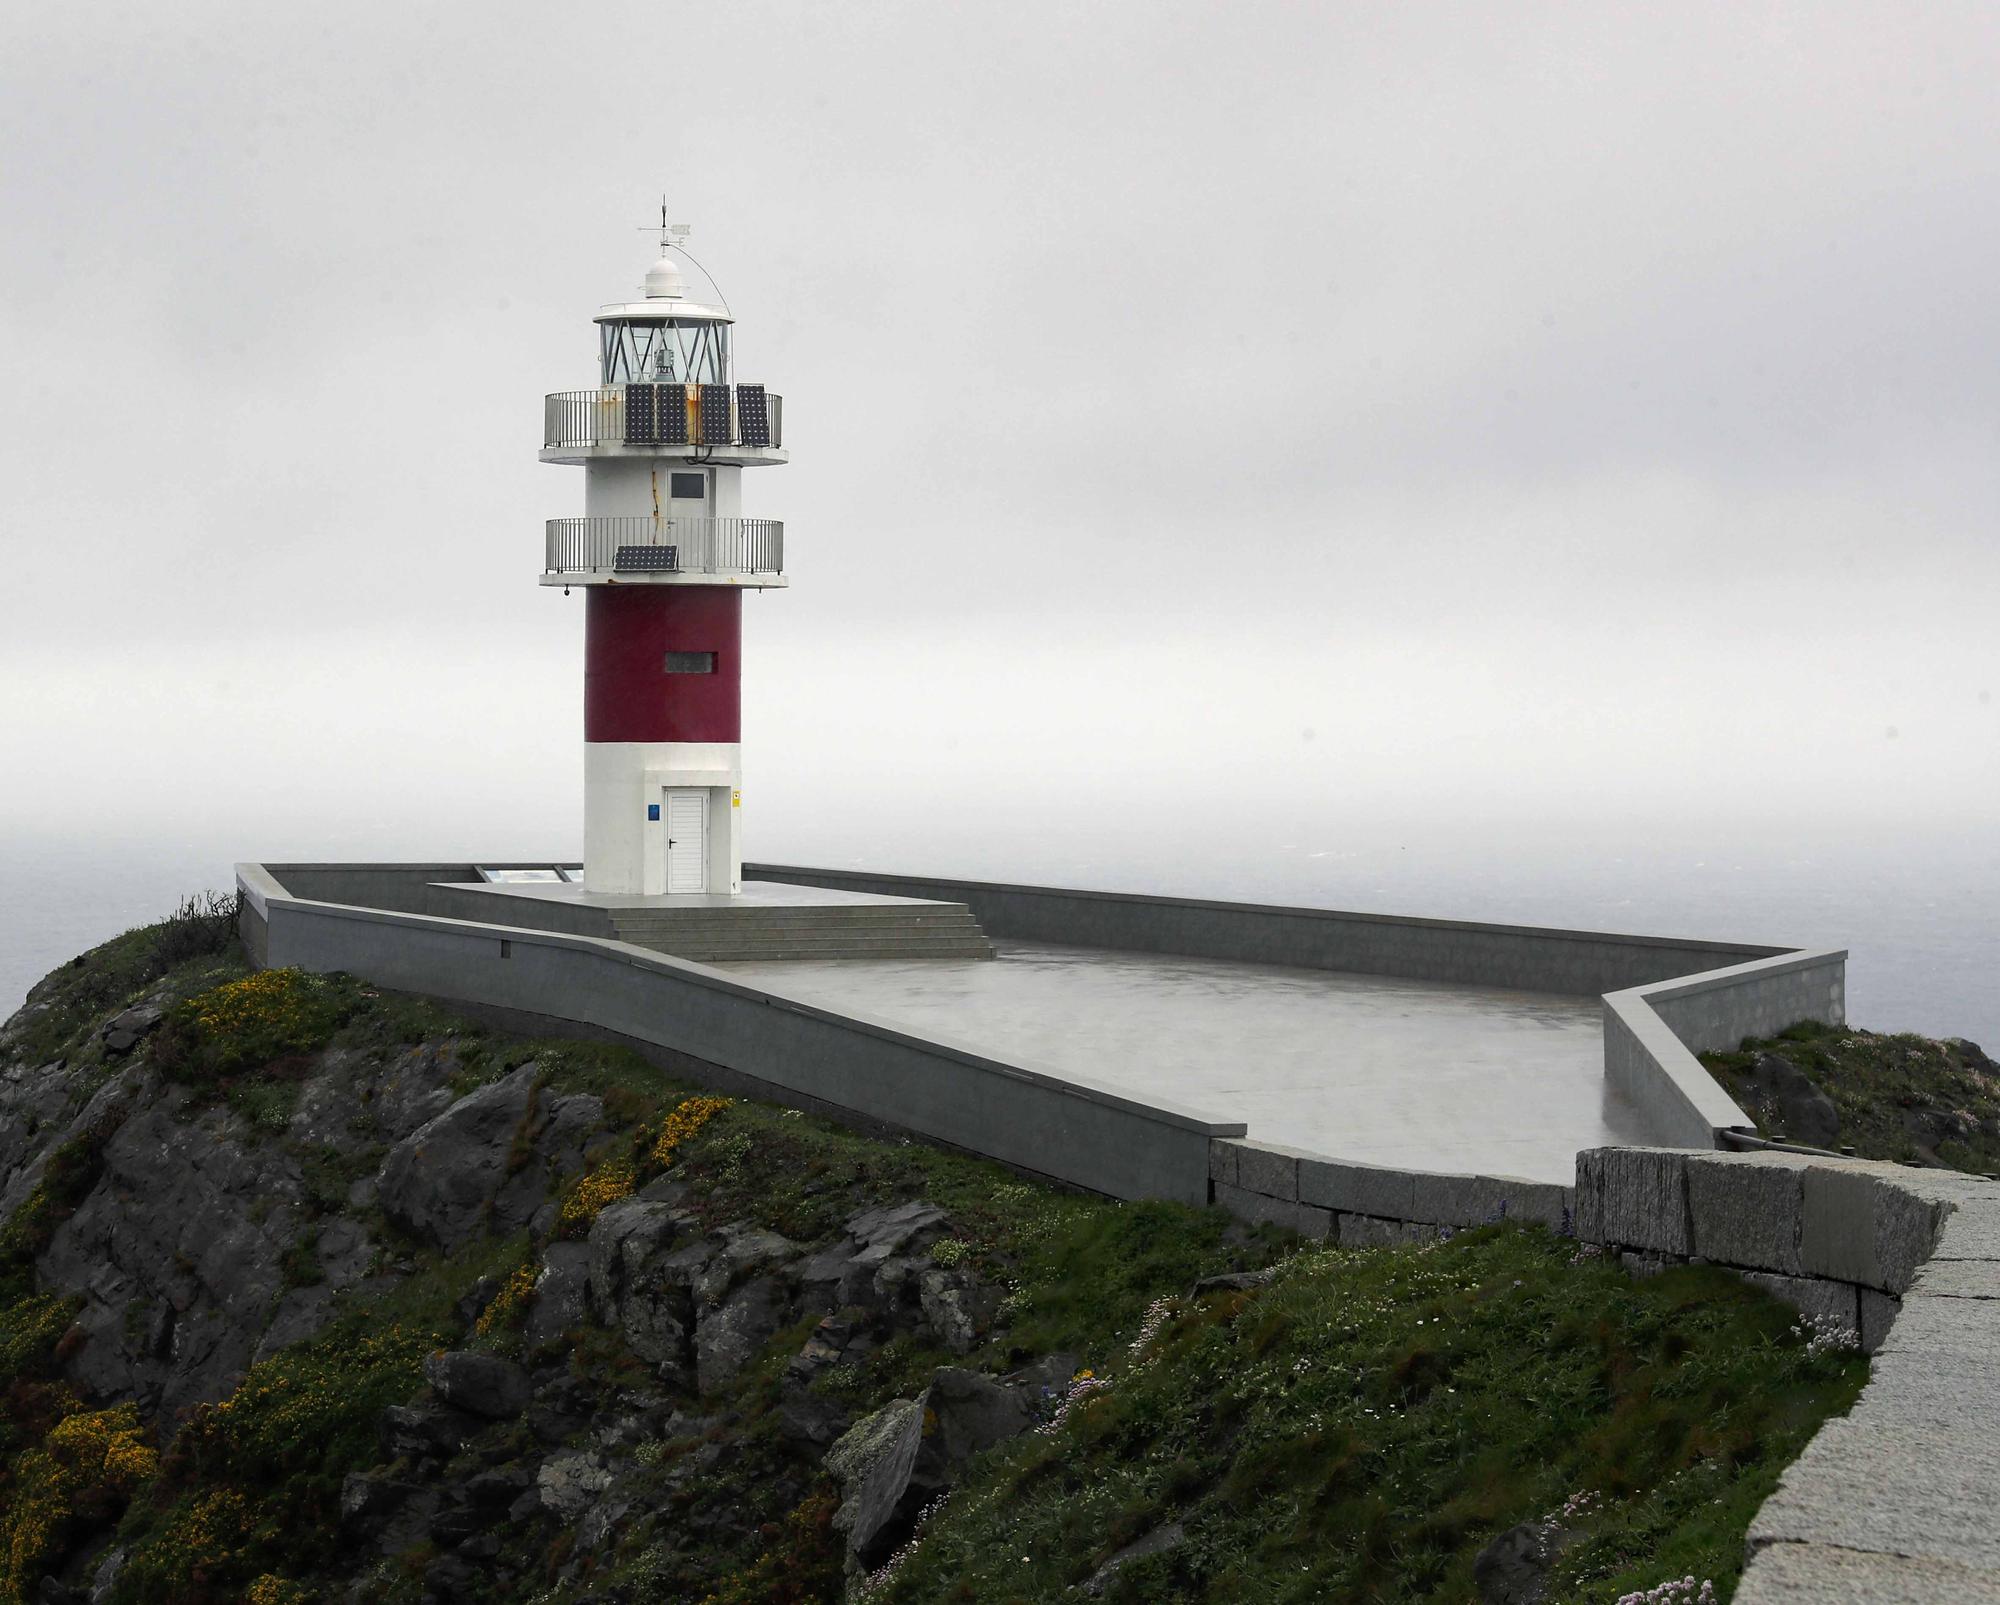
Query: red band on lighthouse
pixel 628 694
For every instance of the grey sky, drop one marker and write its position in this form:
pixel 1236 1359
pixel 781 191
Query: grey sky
pixel 1557 413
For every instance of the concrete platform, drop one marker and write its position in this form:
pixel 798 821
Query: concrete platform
pixel 1419 1074
pixel 768 922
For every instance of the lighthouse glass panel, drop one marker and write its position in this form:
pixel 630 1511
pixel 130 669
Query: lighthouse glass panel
pixel 664 351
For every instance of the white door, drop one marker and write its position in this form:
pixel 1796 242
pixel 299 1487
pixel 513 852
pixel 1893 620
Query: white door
pixel 687 841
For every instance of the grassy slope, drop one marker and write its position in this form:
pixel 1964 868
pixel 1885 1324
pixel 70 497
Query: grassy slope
pixel 1362 1426
pixel 1359 1428
pixel 1880 1083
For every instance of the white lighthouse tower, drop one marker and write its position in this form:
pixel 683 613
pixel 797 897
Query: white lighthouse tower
pixel 663 555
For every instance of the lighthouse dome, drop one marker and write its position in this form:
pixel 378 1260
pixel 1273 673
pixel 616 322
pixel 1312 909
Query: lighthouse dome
pixel 663 281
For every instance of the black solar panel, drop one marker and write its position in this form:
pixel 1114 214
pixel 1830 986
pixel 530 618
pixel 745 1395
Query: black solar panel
pixel 673 415
pixel 753 416
pixel 642 419
pixel 647 560
pixel 714 415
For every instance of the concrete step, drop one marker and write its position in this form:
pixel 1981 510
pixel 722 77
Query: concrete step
pixel 783 951
pixel 825 919
pixel 839 931
pixel 783 927
pixel 808 941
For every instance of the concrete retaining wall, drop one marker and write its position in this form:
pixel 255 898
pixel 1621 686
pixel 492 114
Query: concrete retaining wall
pixel 1652 1033
pixel 1060 1126
pixel 1524 957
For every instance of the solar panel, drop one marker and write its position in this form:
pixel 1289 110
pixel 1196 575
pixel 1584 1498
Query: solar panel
pixel 673 415
pixel 647 560
pixel 714 414
pixel 642 418
pixel 753 416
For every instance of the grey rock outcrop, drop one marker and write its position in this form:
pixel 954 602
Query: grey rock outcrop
pixel 480 1383
pixel 872 1464
pixel 890 1464
pixel 1513 1569
pixel 568 1484
pixel 487 1163
pixel 1157 1542
pixel 729 1335
pixel 1802 1111
pixel 179 1252
pixel 562 1295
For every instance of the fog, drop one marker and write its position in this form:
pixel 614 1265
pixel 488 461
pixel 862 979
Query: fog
pixel 1217 432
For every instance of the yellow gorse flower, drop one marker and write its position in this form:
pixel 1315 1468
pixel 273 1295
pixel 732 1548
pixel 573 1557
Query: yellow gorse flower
pixel 512 1298
pixel 682 1122
pixel 592 1193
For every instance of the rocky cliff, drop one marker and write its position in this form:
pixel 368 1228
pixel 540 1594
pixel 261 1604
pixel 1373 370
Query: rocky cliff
pixel 310 1293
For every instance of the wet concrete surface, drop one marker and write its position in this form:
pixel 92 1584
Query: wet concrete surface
pixel 1387 1072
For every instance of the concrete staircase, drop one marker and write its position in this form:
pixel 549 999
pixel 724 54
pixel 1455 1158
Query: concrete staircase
pixel 836 931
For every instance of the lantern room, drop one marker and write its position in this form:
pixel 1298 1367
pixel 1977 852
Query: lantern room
pixel 665 339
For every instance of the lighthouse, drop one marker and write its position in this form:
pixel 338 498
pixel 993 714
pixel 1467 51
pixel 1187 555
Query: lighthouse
pixel 663 555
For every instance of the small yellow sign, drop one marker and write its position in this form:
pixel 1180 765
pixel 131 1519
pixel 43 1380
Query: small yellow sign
pixel 736 799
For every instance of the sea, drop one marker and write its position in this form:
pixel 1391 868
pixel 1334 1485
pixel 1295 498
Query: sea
pixel 1918 915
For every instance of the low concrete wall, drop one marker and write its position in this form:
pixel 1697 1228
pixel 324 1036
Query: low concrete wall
pixel 1060 1126
pixel 1523 957
pixel 1652 1033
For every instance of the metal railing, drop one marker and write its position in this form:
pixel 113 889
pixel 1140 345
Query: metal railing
pixel 597 418
pixel 702 545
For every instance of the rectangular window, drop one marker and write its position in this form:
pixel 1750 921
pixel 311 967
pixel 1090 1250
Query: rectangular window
pixel 690 663
pixel 689 487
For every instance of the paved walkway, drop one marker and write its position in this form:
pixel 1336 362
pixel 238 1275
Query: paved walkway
pixel 1391 1072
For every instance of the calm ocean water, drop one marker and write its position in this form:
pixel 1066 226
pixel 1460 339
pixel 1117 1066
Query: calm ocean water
pixel 1921 919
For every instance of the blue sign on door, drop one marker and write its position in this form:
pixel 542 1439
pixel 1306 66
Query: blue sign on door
pixel 652 810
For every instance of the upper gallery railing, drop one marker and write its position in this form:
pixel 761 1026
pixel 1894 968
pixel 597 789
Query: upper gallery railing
pixel 644 545
pixel 673 415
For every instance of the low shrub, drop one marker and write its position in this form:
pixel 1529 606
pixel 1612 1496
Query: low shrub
pixel 252 1485
pixel 201 926
pixel 83 1471
pixel 249 1023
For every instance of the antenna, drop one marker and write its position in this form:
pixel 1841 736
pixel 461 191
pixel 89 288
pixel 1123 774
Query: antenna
pixel 671 234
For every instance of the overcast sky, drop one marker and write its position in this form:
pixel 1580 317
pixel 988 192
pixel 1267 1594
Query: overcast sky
pixel 1329 415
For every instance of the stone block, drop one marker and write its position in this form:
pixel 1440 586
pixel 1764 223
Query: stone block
pixel 1942 1329
pixel 1744 1209
pixel 1958 1278
pixel 1261 1208
pixel 1927 1491
pixel 1859 1226
pixel 1837 1302
pixel 1934 1393
pixel 1971 1231
pixel 1814 1574
pixel 1357 1189
pixel 1369 1231
pixel 1454 1200
pixel 1878 1315
pixel 1634 1197
pixel 1222 1160
pixel 1263 1167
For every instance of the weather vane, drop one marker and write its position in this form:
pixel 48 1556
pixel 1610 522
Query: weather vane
pixel 671 234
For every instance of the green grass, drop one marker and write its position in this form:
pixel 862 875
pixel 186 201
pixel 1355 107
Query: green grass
pixel 1880 1084
pixel 1361 1427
